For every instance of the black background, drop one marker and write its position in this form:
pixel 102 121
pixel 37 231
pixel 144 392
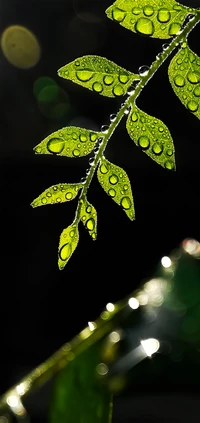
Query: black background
pixel 42 307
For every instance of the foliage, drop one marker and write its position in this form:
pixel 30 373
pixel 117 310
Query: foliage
pixel 164 19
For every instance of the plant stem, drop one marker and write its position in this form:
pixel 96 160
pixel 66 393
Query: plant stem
pixel 105 323
pixel 45 371
pixel 132 98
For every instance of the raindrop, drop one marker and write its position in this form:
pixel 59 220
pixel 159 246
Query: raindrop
pixel 169 165
pixel 104 128
pixel 148 11
pixel 174 28
pixel 118 14
pixel 179 81
pixel 144 26
pixel 93 137
pixel 164 15
pixel 44 200
pixel 97 86
pixel 192 106
pixel 83 180
pixel 118 90
pixel 84 75
pixel 136 10
pixel 197 91
pixel 113 179
pixel 112 192
pixel 193 77
pixel 165 46
pixel 68 195
pixel 157 149
pixel 134 117
pixel 108 80
pixel 76 152
pixel 91 161
pixel 143 70
pixel 65 252
pixel 83 138
pixel 123 78
pixel 88 209
pixel 90 224
pixel 55 145
pixel 144 142
pixel 126 203
pixel 113 117
pixel 103 169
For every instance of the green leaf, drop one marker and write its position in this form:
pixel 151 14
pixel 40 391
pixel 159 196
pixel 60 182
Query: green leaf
pixel 152 136
pixel 184 76
pixel 78 395
pixel 157 19
pixel 88 216
pixel 56 194
pixel 99 75
pixel 115 182
pixel 68 242
pixel 70 142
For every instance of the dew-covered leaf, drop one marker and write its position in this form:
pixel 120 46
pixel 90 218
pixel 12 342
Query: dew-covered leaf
pixel 99 75
pixel 152 136
pixel 78 395
pixel 88 216
pixel 184 76
pixel 56 194
pixel 68 242
pixel 157 19
pixel 115 182
pixel 70 141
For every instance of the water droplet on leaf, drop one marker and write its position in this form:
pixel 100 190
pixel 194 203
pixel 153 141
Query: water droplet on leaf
pixel 65 252
pixel 55 145
pixel 126 203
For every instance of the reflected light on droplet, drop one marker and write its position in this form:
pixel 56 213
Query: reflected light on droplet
pixel 16 405
pixel 110 307
pixel 20 47
pixel 22 388
pixel 102 369
pixel 166 262
pixel 114 337
pixel 150 346
pixel 92 326
pixel 133 303
pixel 192 247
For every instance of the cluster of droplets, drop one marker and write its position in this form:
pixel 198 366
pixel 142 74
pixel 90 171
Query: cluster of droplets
pixel 152 136
pixel 149 20
pixel 185 69
pixel 69 142
pixel 89 218
pixel 69 239
pixel 57 194
pixel 116 183
pixel 109 80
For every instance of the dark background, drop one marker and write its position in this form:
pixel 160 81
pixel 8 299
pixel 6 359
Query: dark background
pixel 42 307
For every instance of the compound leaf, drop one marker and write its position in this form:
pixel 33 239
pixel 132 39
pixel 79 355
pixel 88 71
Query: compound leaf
pixel 88 216
pixel 99 75
pixel 78 395
pixel 56 194
pixel 157 19
pixel 68 242
pixel 152 136
pixel 70 142
pixel 184 77
pixel 115 182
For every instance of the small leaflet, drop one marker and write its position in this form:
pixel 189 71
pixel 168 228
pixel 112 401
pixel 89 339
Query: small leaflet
pixel 157 19
pixel 56 194
pixel 184 77
pixel 70 141
pixel 68 242
pixel 88 216
pixel 99 75
pixel 115 182
pixel 79 396
pixel 152 136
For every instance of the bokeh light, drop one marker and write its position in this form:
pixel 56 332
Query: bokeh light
pixel 52 100
pixel 20 47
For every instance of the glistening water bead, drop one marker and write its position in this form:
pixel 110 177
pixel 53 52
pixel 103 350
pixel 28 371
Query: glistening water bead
pixel 55 145
pixel 65 251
